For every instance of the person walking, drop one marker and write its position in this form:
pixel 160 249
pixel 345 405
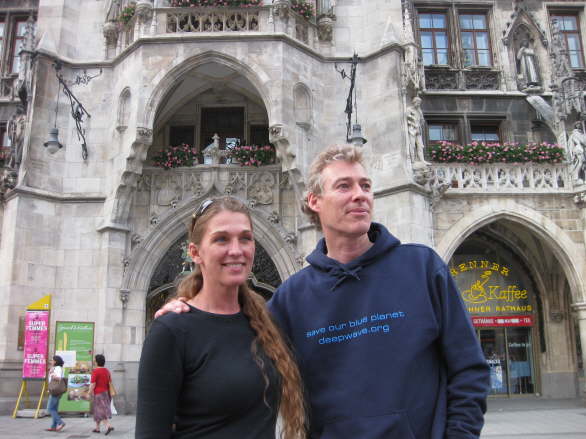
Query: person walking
pixel 100 389
pixel 55 373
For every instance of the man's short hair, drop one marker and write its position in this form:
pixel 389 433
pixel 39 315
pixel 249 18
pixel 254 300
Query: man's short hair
pixel 345 153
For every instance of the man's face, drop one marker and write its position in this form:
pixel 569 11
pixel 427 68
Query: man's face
pixel 345 204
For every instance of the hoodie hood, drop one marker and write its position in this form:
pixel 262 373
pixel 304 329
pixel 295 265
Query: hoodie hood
pixel 383 242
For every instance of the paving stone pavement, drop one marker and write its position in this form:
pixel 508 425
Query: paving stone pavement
pixel 506 419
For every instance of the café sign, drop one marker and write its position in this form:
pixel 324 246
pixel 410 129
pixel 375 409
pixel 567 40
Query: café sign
pixel 486 289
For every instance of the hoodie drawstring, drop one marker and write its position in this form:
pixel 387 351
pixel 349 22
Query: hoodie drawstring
pixel 341 274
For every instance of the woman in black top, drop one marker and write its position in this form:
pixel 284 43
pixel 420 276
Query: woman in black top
pixel 222 370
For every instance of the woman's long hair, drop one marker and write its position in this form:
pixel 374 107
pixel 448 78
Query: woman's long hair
pixel 291 405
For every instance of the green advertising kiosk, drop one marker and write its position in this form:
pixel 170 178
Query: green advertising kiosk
pixel 74 342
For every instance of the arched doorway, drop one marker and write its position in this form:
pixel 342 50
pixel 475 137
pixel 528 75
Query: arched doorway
pixel 518 297
pixel 174 266
pixel 212 99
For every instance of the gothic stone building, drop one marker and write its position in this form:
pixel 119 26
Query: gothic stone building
pixel 92 92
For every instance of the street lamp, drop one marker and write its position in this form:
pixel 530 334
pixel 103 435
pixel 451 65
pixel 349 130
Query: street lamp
pixel 78 112
pixel 53 145
pixel 356 138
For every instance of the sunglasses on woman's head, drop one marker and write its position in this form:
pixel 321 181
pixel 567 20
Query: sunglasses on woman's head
pixel 203 207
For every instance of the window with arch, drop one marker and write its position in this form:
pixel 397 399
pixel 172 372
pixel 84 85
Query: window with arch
pixel 123 109
pixel 302 105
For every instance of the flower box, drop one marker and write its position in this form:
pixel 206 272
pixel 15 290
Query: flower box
pixel 478 153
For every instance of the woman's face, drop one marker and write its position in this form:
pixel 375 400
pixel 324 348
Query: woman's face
pixel 53 363
pixel 226 251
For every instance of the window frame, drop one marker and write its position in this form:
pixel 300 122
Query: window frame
pixel 575 14
pixel 474 32
pixel 15 20
pixel 447 29
pixel 474 123
pixel 455 123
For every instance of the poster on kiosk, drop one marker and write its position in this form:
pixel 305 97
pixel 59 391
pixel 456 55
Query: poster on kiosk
pixel 74 342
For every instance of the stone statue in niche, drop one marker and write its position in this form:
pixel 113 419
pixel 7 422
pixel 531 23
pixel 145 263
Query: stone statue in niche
pixel 527 70
pixel 415 129
pixel 576 150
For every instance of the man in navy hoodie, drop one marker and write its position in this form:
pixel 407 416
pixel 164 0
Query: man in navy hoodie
pixel 384 343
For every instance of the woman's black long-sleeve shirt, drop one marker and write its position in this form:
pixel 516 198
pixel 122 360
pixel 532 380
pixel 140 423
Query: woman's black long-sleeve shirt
pixel 197 371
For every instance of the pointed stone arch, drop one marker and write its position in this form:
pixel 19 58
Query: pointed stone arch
pixel 569 255
pixel 167 79
pixel 172 226
pixel 117 206
pixel 522 18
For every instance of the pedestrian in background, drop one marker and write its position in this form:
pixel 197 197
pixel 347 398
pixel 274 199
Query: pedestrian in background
pixel 55 373
pixel 99 388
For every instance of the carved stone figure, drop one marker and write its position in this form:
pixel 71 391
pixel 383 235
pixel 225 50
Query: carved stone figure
pixel 527 66
pixel 16 127
pixel 577 149
pixel 415 129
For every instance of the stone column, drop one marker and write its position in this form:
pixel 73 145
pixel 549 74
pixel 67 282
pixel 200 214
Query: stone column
pixel 580 309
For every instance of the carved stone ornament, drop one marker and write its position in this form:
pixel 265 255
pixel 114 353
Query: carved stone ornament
pixel 281 8
pixel 237 183
pixel 441 79
pixel 481 80
pixel 124 297
pixel 422 173
pixel 144 134
pixel 325 28
pixel 274 217
pixel 212 153
pixel 300 260
pixel 290 238
pixel 194 185
pixel 261 187
pixel 277 132
pixel 580 199
pixel 8 181
pixel 144 10
pixel 135 239
pixel 111 30
pixel 556 316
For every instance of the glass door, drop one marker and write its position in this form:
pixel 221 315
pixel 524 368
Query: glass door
pixel 520 360
pixel 494 348
pixel 509 353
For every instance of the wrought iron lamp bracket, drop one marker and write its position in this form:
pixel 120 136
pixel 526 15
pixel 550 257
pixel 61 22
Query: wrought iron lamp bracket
pixel 78 111
pixel 351 99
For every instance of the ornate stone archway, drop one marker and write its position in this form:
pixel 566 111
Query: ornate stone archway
pixel 170 229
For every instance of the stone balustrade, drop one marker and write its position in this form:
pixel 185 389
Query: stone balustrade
pixel 502 178
pixel 202 20
pixel 212 20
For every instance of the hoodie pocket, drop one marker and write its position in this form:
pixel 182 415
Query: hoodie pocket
pixel 387 426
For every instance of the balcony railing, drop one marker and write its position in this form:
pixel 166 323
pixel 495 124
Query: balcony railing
pixel 507 178
pixel 201 20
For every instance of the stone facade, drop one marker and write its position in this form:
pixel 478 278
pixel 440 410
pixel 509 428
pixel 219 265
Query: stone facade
pixel 94 232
